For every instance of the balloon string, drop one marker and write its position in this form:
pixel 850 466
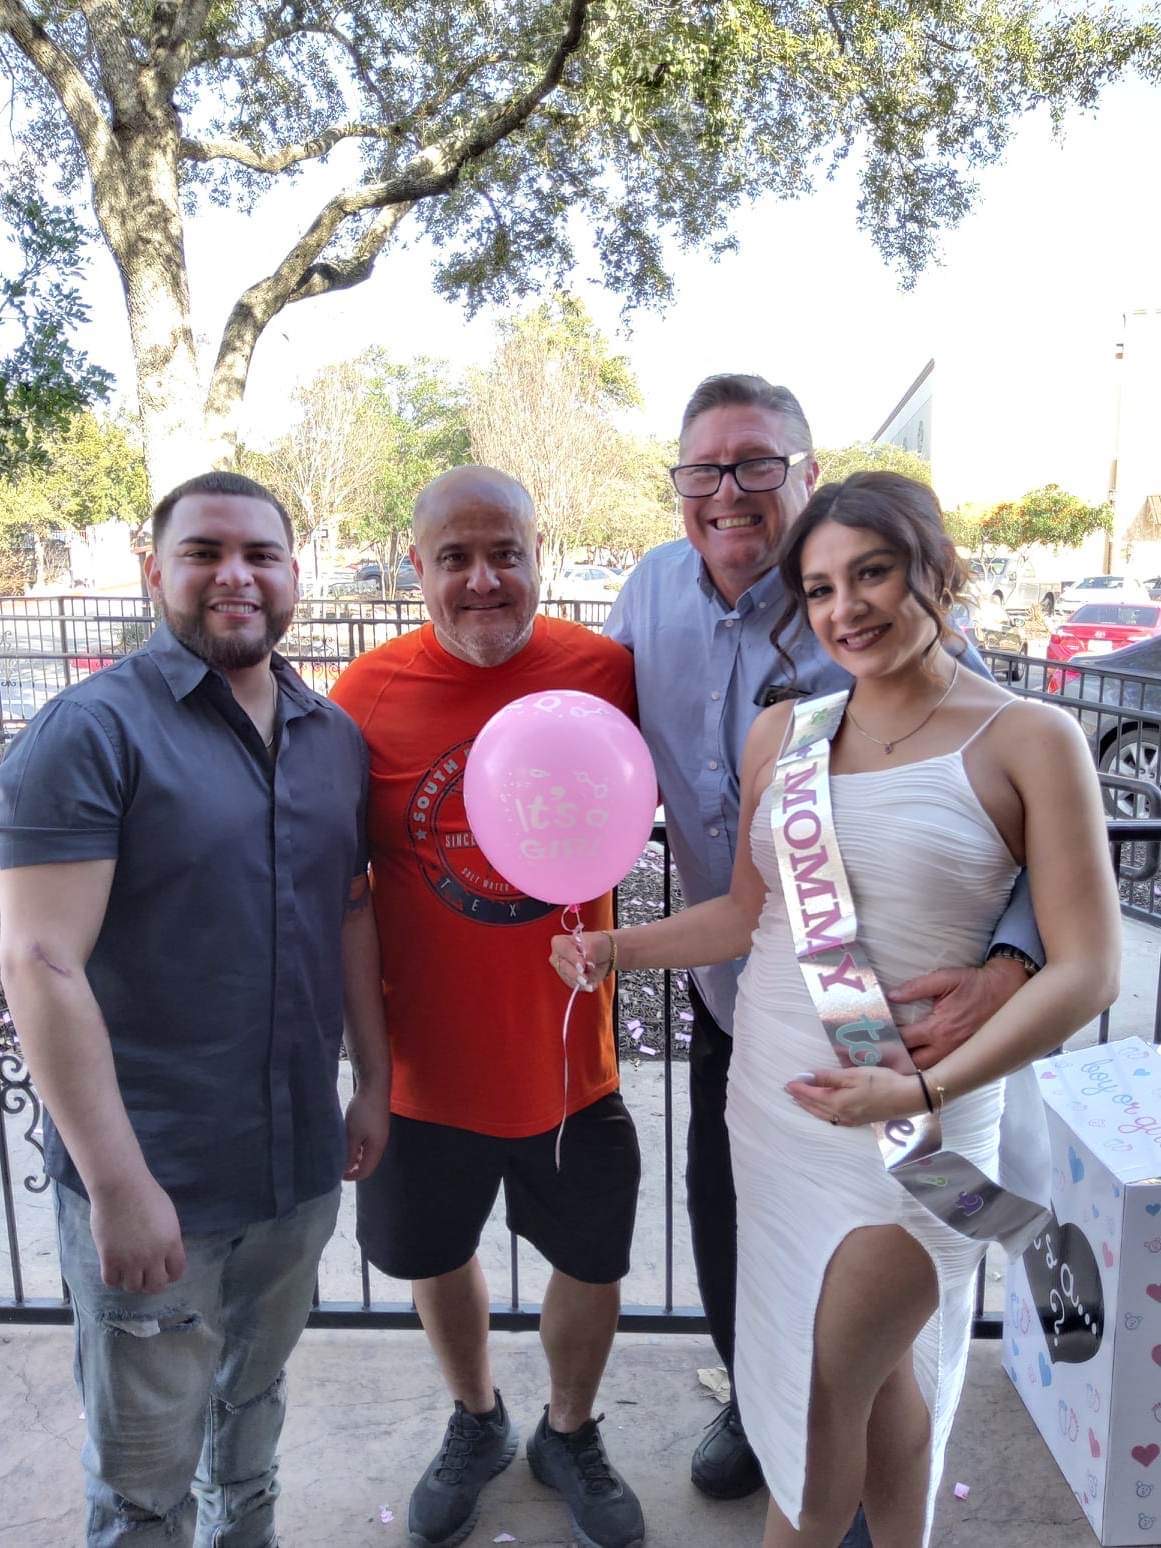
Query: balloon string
pixel 576 931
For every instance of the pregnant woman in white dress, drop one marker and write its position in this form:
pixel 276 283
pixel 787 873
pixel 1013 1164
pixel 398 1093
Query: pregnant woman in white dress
pixel 854 1302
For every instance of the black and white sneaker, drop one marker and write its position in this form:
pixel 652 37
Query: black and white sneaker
pixel 445 1503
pixel 605 1512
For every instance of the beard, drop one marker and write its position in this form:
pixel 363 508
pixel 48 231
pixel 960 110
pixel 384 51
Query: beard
pixel 226 653
pixel 489 647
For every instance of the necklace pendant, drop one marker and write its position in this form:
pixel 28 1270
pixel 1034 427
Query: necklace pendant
pixel 888 748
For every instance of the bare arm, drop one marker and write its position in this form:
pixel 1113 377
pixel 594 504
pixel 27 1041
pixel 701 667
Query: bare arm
pixel 50 917
pixel 365 1035
pixel 1078 911
pixel 716 931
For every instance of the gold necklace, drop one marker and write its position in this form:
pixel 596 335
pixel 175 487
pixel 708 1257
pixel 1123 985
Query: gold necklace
pixel 889 747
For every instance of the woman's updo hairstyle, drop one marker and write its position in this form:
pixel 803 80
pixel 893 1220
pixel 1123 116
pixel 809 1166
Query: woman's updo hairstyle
pixel 907 516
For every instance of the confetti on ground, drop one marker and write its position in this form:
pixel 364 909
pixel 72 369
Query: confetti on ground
pixel 503 1537
pixel 637 1034
pixel 386 1515
pixel 715 1378
pixel 646 1048
pixel 962 1491
pixel 645 989
pixel 634 1025
pixel 687 1015
pixel 684 1037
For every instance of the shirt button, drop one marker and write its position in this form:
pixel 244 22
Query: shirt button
pixel 761 604
pixel 712 764
pixel 730 622
pixel 714 832
pixel 715 694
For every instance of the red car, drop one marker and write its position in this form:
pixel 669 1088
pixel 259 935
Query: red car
pixel 1098 628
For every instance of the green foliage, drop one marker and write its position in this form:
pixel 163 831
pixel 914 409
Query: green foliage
pixel 563 328
pixel 419 415
pixel 835 464
pixel 371 433
pixel 1049 515
pixel 498 124
pixel 546 410
pixel 44 380
pixel 962 524
pixel 636 510
pixel 93 472
pixel 1052 515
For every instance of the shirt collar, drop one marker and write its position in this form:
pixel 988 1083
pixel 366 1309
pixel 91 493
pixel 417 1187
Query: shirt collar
pixel 766 589
pixel 183 670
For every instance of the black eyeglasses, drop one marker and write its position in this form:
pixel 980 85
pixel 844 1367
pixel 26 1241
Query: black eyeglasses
pixel 755 475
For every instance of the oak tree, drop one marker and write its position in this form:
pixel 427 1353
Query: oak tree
pixel 489 128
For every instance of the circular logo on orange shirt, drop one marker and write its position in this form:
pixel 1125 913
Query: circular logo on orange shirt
pixel 450 860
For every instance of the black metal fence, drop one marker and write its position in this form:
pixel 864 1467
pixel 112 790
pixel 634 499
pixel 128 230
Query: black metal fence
pixel 46 643
pixel 1120 714
pixel 1134 842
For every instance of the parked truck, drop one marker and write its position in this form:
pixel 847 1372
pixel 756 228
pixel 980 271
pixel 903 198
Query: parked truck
pixel 1014 581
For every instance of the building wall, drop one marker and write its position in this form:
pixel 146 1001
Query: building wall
pixel 1136 471
pixel 910 423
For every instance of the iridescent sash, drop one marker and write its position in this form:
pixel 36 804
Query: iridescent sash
pixel 850 1003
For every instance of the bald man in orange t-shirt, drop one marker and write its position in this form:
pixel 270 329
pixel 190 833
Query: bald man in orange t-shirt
pixel 475 1019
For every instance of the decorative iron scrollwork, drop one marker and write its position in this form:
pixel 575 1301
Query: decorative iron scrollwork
pixel 17 1093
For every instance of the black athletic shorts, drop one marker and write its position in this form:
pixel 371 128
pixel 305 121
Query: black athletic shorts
pixel 423 1209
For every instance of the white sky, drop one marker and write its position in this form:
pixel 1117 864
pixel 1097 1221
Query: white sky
pixel 1023 313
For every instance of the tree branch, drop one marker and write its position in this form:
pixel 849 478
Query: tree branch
pixel 285 156
pixel 63 75
pixel 303 272
pixel 116 62
pixel 837 28
pixel 210 52
pixel 177 25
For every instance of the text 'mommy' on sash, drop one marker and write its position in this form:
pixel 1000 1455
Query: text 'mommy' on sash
pixel 846 993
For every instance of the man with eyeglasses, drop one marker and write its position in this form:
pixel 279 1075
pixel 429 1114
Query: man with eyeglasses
pixel 697 615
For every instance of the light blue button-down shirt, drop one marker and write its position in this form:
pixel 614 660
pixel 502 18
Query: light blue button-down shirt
pixel 701 669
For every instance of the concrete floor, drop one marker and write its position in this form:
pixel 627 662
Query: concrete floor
pixel 367 1411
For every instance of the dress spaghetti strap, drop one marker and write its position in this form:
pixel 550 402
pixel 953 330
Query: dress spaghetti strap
pixel 979 730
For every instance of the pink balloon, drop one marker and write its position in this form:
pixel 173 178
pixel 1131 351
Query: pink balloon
pixel 560 794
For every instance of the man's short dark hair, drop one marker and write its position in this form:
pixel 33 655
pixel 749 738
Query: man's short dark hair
pixel 218 483
pixel 747 391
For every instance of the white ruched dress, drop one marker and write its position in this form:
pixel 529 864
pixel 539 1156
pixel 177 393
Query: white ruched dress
pixel 930 876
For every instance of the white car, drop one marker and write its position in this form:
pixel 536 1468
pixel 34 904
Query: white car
pixel 587 583
pixel 1101 588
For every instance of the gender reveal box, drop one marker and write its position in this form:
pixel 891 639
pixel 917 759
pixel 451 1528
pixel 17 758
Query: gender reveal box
pixel 1082 1319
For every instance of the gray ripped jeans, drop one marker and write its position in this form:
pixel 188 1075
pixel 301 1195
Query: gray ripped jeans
pixel 186 1388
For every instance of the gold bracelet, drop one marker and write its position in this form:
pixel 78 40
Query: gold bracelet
pixel 612 967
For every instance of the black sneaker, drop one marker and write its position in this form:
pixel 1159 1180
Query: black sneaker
pixel 723 1466
pixel 445 1503
pixel 605 1512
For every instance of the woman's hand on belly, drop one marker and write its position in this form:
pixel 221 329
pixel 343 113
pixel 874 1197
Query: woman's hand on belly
pixel 851 1097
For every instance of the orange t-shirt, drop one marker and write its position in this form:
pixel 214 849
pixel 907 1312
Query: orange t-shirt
pixel 474 1010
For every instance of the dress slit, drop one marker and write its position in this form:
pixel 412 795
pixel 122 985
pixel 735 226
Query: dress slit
pixel 930 877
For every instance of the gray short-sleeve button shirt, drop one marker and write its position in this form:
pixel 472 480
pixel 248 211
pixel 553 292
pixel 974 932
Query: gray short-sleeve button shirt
pixel 218 966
